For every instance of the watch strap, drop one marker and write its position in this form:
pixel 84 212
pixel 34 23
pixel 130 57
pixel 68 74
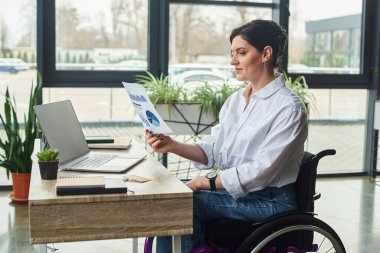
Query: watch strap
pixel 212 184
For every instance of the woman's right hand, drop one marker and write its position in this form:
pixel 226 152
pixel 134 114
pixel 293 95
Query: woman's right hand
pixel 159 142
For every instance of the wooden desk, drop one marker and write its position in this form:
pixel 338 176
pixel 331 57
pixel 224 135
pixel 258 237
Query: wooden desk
pixel 161 207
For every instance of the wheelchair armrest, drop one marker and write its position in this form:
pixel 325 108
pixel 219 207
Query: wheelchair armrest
pixel 316 196
pixel 325 152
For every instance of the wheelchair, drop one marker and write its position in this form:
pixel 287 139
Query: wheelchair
pixel 296 231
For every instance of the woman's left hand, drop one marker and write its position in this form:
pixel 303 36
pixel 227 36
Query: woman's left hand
pixel 199 183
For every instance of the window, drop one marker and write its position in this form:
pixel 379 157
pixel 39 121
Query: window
pixel 325 37
pixel 339 123
pixel 199 36
pixel 95 105
pixel 329 43
pixel 253 1
pixel 17 56
pixel 87 44
pixel 108 35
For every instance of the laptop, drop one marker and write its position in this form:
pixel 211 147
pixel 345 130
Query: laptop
pixel 62 130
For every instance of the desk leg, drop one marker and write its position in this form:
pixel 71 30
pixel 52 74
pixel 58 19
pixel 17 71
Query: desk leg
pixel 176 243
pixel 135 244
pixel 42 248
pixel 372 172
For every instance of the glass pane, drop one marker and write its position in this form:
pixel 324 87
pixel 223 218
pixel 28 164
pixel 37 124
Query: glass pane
pixel 199 42
pixel 108 35
pixel 17 57
pixel 252 1
pixel 325 39
pixel 97 105
pixel 339 123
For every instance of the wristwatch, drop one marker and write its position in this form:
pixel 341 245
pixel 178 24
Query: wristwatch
pixel 212 177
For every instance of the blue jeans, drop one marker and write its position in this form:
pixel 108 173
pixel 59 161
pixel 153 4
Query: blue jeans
pixel 255 206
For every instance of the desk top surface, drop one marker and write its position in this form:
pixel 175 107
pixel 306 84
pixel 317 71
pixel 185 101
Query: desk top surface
pixel 163 184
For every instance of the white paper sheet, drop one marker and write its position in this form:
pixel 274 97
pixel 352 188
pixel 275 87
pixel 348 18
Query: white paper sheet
pixel 150 118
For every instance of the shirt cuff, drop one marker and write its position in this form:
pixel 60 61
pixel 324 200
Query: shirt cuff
pixel 208 149
pixel 231 183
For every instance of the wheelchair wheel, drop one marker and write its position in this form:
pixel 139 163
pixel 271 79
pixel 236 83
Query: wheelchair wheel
pixel 297 233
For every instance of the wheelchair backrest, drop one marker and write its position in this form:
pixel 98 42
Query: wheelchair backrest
pixel 305 184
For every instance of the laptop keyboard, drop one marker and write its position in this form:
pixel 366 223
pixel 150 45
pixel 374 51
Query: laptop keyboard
pixel 94 161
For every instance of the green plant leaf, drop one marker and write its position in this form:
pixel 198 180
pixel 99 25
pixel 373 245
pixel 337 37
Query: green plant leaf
pixel 48 155
pixel 300 87
pixel 18 148
pixel 160 90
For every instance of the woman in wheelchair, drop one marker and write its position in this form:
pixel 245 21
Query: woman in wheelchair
pixel 258 143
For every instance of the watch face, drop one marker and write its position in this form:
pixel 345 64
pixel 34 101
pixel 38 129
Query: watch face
pixel 211 175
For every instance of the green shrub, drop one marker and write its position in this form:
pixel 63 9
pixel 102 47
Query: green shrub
pixel 48 155
pixel 160 90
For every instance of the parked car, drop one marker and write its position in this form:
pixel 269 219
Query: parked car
pixel 194 78
pixel 13 65
pixel 299 68
pixel 131 65
pixel 178 69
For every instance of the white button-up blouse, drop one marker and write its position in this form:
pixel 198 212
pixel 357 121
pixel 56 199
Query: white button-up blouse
pixel 260 146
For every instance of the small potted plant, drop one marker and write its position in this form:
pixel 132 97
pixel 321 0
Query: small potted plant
pixel 48 162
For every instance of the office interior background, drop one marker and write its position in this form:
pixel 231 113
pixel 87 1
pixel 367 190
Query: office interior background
pixel 83 50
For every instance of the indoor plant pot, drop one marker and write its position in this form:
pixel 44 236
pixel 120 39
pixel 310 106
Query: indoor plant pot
pixel 48 163
pixel 187 118
pixel 21 183
pixel 17 147
pixel 48 170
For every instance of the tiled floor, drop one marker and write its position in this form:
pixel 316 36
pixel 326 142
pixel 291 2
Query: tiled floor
pixel 350 205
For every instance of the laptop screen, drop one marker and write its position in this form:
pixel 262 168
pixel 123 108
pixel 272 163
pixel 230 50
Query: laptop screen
pixel 62 129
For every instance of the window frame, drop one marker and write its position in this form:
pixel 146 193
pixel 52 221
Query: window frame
pixel 349 81
pixel 46 51
pixel 158 60
pixel 158 37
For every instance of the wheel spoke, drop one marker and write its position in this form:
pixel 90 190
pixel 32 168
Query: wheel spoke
pixel 320 245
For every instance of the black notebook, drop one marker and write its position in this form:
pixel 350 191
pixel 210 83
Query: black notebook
pixel 89 185
pixel 99 139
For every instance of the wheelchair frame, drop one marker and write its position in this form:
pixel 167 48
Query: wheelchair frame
pixel 287 232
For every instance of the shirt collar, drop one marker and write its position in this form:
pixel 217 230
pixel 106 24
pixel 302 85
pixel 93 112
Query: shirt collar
pixel 268 89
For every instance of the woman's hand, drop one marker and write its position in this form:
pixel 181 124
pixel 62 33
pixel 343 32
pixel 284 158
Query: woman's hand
pixel 199 183
pixel 159 142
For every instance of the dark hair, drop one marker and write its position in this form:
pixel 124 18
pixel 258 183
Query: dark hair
pixel 262 33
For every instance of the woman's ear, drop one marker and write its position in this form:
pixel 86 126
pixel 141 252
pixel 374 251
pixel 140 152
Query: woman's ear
pixel 267 54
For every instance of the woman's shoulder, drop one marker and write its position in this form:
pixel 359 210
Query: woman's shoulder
pixel 286 98
pixel 238 94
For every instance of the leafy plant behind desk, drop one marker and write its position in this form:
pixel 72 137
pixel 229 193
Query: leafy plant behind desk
pixel 213 98
pixel 300 87
pixel 160 90
pixel 17 155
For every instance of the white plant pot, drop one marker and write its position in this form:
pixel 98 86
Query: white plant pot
pixel 187 118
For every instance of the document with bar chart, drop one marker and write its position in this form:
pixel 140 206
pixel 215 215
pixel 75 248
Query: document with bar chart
pixel 150 118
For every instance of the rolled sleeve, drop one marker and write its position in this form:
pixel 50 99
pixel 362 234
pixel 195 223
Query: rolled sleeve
pixel 207 145
pixel 208 150
pixel 208 142
pixel 230 183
